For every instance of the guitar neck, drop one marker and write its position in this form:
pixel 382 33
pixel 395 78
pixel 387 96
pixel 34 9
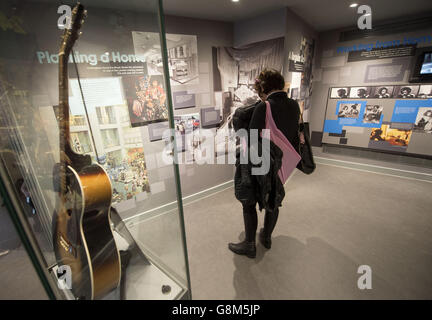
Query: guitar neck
pixel 67 155
pixel 64 126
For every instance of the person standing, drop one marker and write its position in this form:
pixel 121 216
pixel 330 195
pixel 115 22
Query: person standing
pixel 286 113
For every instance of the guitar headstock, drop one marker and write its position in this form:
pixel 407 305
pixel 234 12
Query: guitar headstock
pixel 71 35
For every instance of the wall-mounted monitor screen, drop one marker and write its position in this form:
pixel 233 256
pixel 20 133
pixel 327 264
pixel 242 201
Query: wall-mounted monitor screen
pixel 422 71
pixel 426 67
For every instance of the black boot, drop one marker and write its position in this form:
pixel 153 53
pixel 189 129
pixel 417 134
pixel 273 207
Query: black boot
pixel 270 220
pixel 265 241
pixel 244 248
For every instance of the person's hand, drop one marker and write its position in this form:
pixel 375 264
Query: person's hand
pixel 302 138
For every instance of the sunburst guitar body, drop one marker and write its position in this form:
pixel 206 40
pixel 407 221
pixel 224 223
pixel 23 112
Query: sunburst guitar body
pixel 82 234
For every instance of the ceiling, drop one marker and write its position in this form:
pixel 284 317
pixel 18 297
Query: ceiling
pixel 320 14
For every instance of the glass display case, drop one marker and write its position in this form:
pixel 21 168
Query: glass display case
pixel 96 203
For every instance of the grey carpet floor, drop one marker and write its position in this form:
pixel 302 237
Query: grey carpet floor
pixel 331 222
pixel 18 278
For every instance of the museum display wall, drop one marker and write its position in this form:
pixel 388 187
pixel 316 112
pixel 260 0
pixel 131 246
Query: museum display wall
pixel 366 99
pixel 114 66
pixel 116 63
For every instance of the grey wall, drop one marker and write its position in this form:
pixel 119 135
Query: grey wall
pixel 110 30
pixel 279 23
pixel 343 72
pixel 264 27
pixel 295 29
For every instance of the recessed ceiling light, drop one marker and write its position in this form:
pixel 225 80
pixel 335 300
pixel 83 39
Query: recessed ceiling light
pixel 235 0
pixel 353 5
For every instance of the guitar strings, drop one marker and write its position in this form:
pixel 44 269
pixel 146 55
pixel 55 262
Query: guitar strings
pixel 85 107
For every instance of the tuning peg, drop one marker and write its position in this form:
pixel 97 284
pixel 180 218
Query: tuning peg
pixel 82 21
pixel 80 34
pixel 85 13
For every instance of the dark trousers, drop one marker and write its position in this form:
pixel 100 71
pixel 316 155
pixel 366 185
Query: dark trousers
pixel 250 218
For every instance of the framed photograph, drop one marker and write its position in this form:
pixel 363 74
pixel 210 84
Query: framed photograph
pixel 360 92
pixel 349 110
pixel 372 114
pixel 182 55
pixel 128 175
pixel 146 99
pixel 187 127
pixel 425 91
pixel 383 92
pixel 406 92
pixel 423 121
pixel 392 136
pixel 339 93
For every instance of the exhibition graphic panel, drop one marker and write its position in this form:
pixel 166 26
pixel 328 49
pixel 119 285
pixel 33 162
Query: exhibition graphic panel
pixel 390 114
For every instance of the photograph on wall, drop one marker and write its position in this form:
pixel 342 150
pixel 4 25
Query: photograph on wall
pixel 383 92
pixel 307 50
pixel 423 121
pixel 372 114
pixel 349 110
pixel 239 67
pixel 406 92
pixel 425 91
pixel 360 92
pixel 182 55
pixel 391 136
pixel 128 173
pixel 339 93
pixel 245 95
pixel 146 99
pixel 187 127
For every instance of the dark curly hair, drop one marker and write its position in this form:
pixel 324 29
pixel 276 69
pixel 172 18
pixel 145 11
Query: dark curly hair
pixel 269 80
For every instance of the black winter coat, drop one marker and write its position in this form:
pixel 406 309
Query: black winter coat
pixel 266 189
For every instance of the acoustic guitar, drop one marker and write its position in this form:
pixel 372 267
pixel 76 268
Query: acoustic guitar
pixel 82 234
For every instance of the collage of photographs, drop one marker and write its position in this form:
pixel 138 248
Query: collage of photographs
pixel 383 92
pixel 372 113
